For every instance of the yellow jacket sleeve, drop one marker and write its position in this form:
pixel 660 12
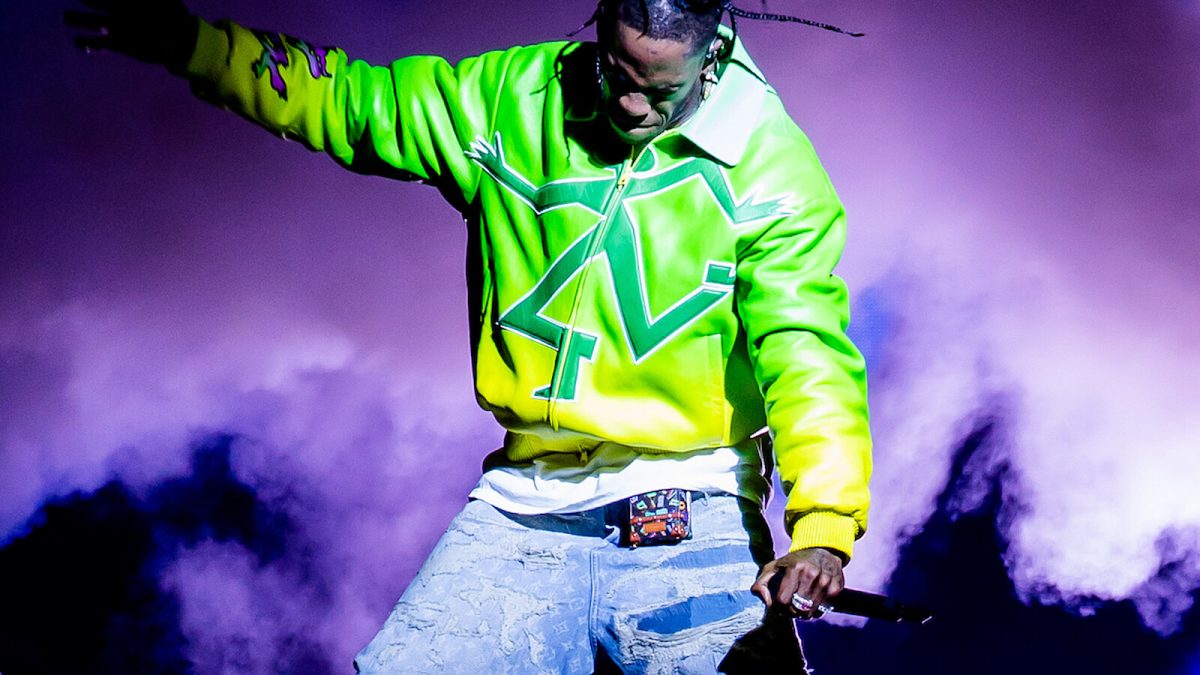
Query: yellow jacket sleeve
pixel 812 378
pixel 410 120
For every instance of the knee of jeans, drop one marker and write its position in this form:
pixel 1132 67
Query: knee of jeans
pixel 701 628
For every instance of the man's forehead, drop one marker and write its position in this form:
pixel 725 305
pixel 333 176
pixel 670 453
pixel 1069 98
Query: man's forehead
pixel 648 57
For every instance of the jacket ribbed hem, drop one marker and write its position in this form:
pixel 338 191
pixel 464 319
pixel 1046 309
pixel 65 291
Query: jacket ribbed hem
pixel 825 529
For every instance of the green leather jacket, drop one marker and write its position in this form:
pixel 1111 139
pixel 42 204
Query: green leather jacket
pixel 678 299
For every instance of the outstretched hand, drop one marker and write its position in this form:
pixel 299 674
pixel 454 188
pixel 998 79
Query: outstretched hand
pixel 155 31
pixel 812 574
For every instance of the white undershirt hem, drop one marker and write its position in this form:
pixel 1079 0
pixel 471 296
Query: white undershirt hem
pixel 562 483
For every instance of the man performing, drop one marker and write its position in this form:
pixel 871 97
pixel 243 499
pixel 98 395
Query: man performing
pixel 652 243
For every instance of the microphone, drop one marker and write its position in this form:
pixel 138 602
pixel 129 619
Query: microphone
pixel 860 603
pixel 771 646
pixel 875 606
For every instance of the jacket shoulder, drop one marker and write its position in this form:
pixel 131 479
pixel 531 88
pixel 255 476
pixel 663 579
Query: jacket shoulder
pixel 780 144
pixel 526 60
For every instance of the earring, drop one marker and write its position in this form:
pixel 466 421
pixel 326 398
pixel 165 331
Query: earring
pixel 708 80
pixel 714 50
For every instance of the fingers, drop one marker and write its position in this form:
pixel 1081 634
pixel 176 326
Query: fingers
pixel 822 589
pixel 808 585
pixel 800 583
pixel 762 586
pixel 98 39
pixel 93 43
pixel 816 584
pixel 835 586
pixel 778 584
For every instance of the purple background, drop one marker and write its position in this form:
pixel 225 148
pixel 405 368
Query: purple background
pixel 201 316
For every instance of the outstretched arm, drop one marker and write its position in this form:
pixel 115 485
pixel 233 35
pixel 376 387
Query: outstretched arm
pixel 161 32
pixel 413 119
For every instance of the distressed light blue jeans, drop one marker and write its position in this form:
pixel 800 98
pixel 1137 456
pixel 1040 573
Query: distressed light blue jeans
pixel 504 593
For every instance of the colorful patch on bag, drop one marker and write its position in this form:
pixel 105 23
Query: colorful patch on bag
pixel 660 517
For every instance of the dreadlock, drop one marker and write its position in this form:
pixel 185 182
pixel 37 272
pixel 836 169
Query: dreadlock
pixel 767 16
pixel 694 21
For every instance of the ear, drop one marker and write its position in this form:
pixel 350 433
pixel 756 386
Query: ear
pixel 714 51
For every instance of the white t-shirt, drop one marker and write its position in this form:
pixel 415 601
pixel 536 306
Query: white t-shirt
pixel 562 483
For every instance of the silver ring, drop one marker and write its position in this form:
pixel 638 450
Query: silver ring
pixel 801 603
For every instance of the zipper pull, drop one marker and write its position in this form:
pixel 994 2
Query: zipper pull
pixel 627 168
pixel 624 177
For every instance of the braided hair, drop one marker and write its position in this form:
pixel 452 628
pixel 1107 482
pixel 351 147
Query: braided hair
pixel 692 21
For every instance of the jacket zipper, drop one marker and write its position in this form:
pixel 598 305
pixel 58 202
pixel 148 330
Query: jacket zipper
pixel 614 203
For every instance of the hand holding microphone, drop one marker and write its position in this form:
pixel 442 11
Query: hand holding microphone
pixel 809 583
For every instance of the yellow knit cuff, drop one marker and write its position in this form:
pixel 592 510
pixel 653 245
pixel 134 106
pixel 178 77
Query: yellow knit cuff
pixel 825 529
